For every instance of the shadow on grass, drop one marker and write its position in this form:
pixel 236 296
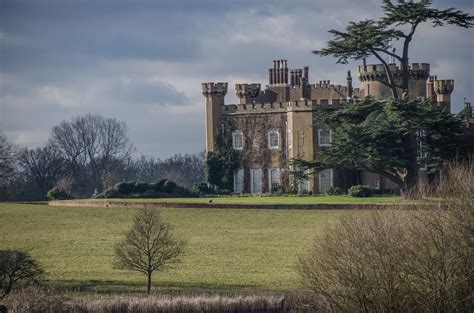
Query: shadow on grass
pixel 119 287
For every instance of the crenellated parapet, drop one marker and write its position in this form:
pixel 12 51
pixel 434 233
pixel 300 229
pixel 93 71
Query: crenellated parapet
pixel 214 89
pixel 376 72
pixel 247 92
pixel 443 87
pixel 280 107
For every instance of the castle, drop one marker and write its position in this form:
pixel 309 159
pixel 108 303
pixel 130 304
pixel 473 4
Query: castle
pixel 272 126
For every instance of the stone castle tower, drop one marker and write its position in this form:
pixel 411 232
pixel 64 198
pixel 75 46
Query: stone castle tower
pixel 269 127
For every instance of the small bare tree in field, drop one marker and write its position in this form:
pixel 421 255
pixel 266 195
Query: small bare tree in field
pixel 148 246
pixel 400 260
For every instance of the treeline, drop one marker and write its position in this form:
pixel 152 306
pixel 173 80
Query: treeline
pixel 86 155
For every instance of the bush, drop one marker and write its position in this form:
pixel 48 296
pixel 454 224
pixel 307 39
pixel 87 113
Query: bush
pixel 150 193
pixel 134 190
pixel 359 191
pixel 58 194
pixel 333 191
pixel 399 260
pixel 109 193
pixel 125 187
pixel 140 187
pixel 202 188
pixel 181 191
pixel 158 186
pixel 168 187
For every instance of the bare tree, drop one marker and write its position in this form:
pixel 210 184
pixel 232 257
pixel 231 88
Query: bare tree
pixel 149 246
pixel 400 260
pixel 184 169
pixel 7 158
pixel 44 166
pixel 92 145
pixel 15 267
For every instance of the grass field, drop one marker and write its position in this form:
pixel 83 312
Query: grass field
pixel 229 250
pixel 276 200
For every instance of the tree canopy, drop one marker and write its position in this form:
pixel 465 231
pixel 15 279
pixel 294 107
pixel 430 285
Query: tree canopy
pixel 376 37
pixel 149 245
pixel 371 135
pixel 17 267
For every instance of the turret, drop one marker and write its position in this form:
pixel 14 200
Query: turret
pixel 247 92
pixel 443 90
pixel 430 93
pixel 214 94
pixel 370 76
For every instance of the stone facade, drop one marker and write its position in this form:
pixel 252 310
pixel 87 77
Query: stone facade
pixel 272 126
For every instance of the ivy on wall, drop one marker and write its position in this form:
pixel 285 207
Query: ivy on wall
pixel 221 164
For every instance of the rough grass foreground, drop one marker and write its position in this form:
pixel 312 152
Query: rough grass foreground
pixel 33 299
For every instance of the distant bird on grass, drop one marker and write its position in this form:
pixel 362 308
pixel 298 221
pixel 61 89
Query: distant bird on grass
pixel 210 201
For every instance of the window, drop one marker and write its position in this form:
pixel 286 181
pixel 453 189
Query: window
pixel 238 140
pixel 325 137
pixel 325 180
pixel 273 140
pixel 239 180
pixel 377 184
pixel 303 184
pixel 256 180
pixel 274 178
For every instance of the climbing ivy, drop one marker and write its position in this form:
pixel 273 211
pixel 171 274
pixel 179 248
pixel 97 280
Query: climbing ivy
pixel 221 164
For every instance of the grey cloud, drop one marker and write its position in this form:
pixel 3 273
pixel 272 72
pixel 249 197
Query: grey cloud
pixel 135 92
pixel 143 61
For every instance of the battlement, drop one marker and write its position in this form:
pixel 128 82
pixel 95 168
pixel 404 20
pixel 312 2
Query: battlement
pixel 214 89
pixel 247 90
pixel 279 107
pixel 418 71
pixel 444 87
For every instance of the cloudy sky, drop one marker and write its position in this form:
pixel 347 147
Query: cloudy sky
pixel 143 61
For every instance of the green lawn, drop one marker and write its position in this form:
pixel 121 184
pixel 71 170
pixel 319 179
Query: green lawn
pixel 275 200
pixel 229 250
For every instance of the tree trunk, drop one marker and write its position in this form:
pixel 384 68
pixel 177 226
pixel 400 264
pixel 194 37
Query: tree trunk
pixel 148 290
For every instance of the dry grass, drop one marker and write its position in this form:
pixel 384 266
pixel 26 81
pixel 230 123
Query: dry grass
pixel 36 300
pixel 397 260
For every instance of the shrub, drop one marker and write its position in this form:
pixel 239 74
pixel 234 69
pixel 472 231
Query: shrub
pixel 168 187
pixel 202 188
pixel 333 191
pixel 140 187
pixel 125 187
pixel 182 192
pixel 158 186
pixel 399 260
pixel 109 193
pixel 58 194
pixel 150 193
pixel 359 191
